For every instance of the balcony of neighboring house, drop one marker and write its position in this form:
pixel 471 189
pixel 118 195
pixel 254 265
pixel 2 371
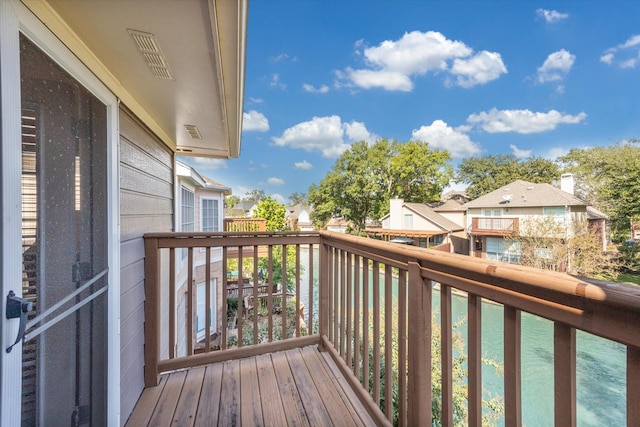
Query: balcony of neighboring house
pixel 495 226
pixel 349 327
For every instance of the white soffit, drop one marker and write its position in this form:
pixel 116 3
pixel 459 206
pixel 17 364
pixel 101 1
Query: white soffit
pixel 190 80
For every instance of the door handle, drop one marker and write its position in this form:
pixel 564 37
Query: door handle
pixel 18 307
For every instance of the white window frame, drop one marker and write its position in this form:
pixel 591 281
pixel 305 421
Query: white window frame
pixel 15 18
pixel 408 221
pixel 217 221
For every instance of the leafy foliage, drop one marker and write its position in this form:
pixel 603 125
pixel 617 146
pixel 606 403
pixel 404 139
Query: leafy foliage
pixel 609 178
pixel 488 173
pixel 364 179
pixel 298 198
pixel 552 245
pixel 231 201
pixel 494 405
pixel 273 212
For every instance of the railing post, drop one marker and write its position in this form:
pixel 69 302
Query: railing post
pixel 419 343
pixel 564 374
pixel 474 310
pixel 633 385
pixel 151 311
pixel 323 283
pixel 512 365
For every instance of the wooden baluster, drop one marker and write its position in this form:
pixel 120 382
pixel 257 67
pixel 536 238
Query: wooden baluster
pixel 474 309
pixel 256 301
pixel 207 315
pixel 224 305
pixel 512 371
pixel 446 360
pixel 190 336
pixel 241 307
pixel 376 332
pixel 270 293
pixel 402 348
pixel 564 374
pixel 283 305
pixel 172 304
pixel 356 317
pixel 633 386
pixel 349 310
pixel 419 349
pixel 388 342
pixel 298 285
pixel 365 323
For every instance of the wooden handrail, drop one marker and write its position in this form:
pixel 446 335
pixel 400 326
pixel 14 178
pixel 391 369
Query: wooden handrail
pixel 353 313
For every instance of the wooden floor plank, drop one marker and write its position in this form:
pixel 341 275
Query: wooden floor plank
pixel 185 414
pixel 166 407
pixel 344 387
pixel 341 412
pixel 230 396
pixel 209 404
pixel 143 410
pixel 293 407
pixel 250 405
pixel 313 404
pixel 272 409
pixel 299 387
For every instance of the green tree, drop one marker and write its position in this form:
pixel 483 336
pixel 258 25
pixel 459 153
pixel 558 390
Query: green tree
pixel 609 178
pixel 485 174
pixel 231 201
pixel 298 198
pixel 254 196
pixel 364 179
pixel 274 212
pixel 269 209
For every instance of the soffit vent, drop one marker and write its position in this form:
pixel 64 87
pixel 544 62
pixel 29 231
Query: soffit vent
pixel 193 131
pixel 152 54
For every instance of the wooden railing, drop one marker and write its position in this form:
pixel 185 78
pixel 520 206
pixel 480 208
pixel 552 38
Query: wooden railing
pixel 494 226
pixel 370 308
pixel 245 225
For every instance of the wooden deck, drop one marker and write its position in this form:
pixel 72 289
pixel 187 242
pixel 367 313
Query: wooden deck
pixel 301 387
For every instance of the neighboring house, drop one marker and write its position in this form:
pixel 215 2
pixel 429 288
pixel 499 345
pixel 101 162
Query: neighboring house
pixel 298 218
pixel 337 225
pixel 201 202
pixel 521 208
pixel 97 100
pixel 418 223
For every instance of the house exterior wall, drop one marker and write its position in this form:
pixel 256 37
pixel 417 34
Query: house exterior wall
pixel 146 193
pixel 455 217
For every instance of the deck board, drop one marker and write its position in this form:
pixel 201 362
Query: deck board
pixel 295 387
pixel 272 408
pixel 208 409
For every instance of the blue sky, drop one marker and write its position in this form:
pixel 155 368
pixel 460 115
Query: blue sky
pixel 473 77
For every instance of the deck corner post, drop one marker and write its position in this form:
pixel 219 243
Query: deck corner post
pixel 419 348
pixel 323 283
pixel 151 311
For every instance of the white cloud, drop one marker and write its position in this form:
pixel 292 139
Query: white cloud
pixel 551 16
pixel 254 121
pixel 629 50
pixel 275 82
pixel 556 152
pixel 520 154
pixel 303 165
pixel 556 66
pixel 310 88
pixel 275 181
pixel 329 135
pixel 479 69
pixel 279 198
pixel 256 100
pixel 388 80
pixel 440 135
pixel 607 58
pixel 522 121
pixel 357 131
pixel 391 64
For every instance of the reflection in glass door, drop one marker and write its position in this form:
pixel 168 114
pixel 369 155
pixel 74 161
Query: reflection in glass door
pixel 64 243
